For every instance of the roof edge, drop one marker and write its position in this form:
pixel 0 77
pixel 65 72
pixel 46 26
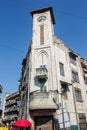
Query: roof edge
pixel 44 10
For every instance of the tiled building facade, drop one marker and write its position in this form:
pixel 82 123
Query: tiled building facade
pixel 53 77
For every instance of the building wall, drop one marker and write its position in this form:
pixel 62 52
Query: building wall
pixel 62 55
pixel 44 103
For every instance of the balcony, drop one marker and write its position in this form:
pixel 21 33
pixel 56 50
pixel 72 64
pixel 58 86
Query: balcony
pixel 10 102
pixel 42 71
pixel 44 100
pixel 10 118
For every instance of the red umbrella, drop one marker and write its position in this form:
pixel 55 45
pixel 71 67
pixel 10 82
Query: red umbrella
pixel 22 123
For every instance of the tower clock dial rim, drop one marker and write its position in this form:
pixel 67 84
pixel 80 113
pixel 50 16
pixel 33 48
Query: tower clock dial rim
pixel 41 18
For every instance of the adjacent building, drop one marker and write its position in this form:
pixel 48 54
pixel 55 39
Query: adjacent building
pixel 1 104
pixel 11 108
pixel 53 83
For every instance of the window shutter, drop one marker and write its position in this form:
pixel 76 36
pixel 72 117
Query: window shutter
pixel 42 34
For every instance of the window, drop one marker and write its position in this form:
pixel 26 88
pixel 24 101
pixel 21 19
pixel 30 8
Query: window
pixel 41 34
pixel 75 76
pixel 72 58
pixel 64 89
pixel 82 121
pixel 85 74
pixel 41 82
pixel 61 69
pixel 78 95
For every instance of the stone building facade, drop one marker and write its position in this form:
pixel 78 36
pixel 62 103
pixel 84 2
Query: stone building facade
pixel 53 83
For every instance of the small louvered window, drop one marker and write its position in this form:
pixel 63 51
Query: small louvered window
pixel 41 34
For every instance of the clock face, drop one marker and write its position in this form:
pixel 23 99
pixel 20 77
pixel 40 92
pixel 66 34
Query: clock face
pixel 41 18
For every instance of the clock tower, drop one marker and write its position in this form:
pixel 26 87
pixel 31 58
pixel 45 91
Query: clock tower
pixel 42 77
pixel 42 52
pixel 43 86
pixel 43 20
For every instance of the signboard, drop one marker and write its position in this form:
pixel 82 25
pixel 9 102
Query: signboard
pixel 63 118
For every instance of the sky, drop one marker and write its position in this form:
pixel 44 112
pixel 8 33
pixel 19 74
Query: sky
pixel 16 33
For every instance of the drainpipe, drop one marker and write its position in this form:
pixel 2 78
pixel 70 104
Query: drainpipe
pixel 74 99
pixel 28 101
